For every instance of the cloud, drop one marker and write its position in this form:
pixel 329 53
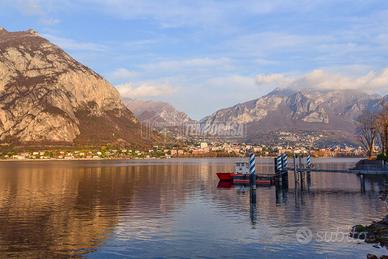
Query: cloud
pixel 273 79
pixel 71 44
pixel 172 13
pixel 30 7
pixel 193 63
pixel 122 74
pixel 36 8
pixel 49 21
pixel 372 81
pixel 146 89
pixel 168 13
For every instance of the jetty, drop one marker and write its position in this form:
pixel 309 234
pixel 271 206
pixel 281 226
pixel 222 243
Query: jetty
pixel 303 167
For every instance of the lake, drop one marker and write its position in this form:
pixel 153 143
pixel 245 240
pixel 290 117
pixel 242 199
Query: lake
pixel 173 208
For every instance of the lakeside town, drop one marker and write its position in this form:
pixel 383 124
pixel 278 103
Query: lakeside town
pixel 198 149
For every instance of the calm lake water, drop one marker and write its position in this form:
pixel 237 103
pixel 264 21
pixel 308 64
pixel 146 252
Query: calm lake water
pixel 173 208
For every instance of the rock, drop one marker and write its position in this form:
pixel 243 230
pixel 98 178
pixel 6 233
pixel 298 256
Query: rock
pixel 371 256
pixel 293 111
pixel 371 238
pixel 377 232
pixel 385 220
pixel 32 31
pixel 161 113
pixel 48 98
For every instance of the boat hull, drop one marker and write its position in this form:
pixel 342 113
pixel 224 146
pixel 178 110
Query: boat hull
pixel 225 176
pixel 245 178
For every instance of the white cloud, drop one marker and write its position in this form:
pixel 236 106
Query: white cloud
pixel 168 13
pixel 146 89
pixel 30 7
pixel 372 81
pixel 194 63
pixel 273 79
pixel 122 74
pixel 71 44
pixel 37 8
pixel 49 21
pixel 172 13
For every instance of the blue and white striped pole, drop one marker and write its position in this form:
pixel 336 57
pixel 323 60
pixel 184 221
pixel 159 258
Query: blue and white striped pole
pixel 309 163
pixel 279 163
pixel 252 170
pixel 284 162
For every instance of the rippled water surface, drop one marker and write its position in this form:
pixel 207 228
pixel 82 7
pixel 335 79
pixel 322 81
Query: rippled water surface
pixel 165 208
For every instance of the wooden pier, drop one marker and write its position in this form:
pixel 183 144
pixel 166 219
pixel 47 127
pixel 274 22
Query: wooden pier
pixel 344 171
pixel 303 171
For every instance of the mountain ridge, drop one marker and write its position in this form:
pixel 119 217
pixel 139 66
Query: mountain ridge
pixel 329 111
pixel 49 98
pixel 156 112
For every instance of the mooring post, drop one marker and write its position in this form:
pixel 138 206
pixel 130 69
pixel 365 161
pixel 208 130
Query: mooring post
pixel 362 181
pixel 275 164
pixel 284 175
pixel 253 209
pixel 308 161
pixel 252 170
pixel 308 180
pixel 301 180
pixel 308 174
pixel 278 196
pixel 300 161
pixel 279 164
pixel 278 169
pixel 284 162
pixel 295 171
pixel 301 175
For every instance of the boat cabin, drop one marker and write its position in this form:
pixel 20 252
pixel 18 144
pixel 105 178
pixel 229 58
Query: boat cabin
pixel 241 168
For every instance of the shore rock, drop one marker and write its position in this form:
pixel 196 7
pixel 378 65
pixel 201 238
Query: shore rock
pixel 377 232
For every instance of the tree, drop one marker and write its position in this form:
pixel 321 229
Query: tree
pixel 368 131
pixel 382 126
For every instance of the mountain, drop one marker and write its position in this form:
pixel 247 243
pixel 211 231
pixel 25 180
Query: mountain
pixel 158 113
pixel 48 98
pixel 327 115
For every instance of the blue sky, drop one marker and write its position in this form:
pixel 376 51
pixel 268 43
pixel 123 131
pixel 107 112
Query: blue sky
pixel 204 55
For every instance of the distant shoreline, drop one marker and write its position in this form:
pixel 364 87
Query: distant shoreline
pixel 143 159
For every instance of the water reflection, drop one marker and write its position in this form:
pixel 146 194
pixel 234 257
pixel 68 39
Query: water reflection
pixel 253 208
pixel 53 210
pixel 170 208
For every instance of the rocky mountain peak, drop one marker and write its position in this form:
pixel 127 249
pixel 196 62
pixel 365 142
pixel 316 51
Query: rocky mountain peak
pixel 157 112
pixel 285 92
pixel 46 96
pixel 298 110
pixel 33 32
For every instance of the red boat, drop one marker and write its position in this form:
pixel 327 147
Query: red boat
pixel 241 168
pixel 241 176
pixel 225 176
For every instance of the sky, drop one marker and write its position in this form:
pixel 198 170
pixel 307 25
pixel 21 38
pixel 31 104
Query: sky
pixel 204 55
